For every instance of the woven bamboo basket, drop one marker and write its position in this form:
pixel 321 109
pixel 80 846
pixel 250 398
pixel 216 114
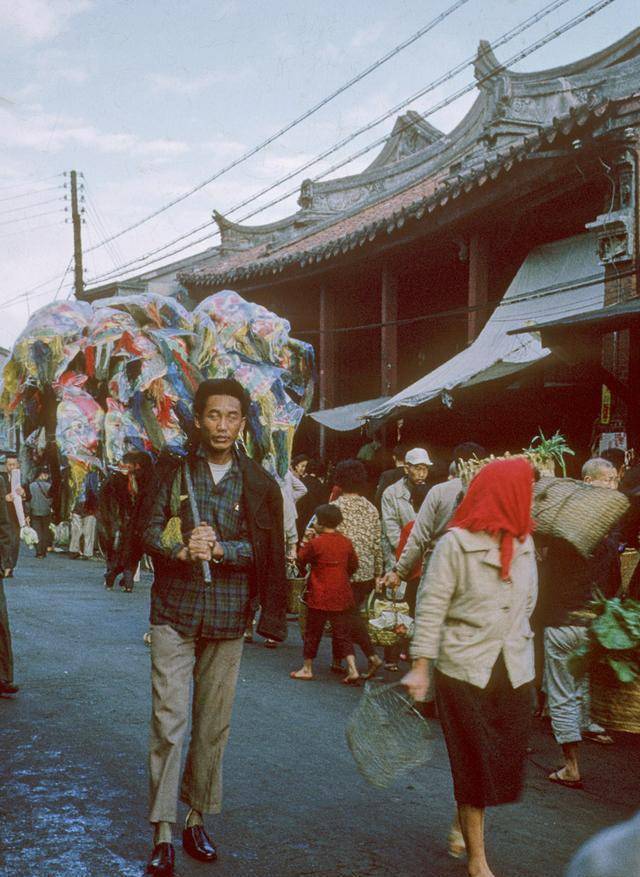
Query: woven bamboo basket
pixel 372 609
pixel 296 587
pixel 628 563
pixel 580 513
pixel 614 705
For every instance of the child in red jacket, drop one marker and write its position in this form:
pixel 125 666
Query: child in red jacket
pixel 329 597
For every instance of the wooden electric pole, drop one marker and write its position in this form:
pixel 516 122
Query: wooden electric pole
pixel 77 239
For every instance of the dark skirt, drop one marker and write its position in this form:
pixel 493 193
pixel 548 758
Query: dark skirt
pixel 486 731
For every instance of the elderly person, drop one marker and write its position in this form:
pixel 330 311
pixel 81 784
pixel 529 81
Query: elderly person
pixel 472 619
pixel 397 507
pixel 360 524
pixel 567 585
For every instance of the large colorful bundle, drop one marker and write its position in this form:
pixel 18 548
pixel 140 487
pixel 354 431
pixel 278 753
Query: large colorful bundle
pixel 125 370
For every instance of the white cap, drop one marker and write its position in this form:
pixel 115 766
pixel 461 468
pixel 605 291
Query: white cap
pixel 417 457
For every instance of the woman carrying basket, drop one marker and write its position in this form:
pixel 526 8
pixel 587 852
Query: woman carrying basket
pixel 472 619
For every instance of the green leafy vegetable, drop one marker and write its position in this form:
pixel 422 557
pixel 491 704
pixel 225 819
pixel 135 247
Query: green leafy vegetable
pixel 613 639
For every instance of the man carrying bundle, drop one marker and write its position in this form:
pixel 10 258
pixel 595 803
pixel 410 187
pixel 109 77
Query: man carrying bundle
pixel 216 536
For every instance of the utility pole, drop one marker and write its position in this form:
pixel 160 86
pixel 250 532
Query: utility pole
pixel 77 240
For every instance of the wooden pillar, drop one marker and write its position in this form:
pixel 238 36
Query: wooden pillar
pixel 326 356
pixel 478 285
pixel 388 332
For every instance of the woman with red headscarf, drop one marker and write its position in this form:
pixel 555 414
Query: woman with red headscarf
pixel 472 620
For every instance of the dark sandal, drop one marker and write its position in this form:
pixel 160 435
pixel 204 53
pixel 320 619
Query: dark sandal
pixel 568 784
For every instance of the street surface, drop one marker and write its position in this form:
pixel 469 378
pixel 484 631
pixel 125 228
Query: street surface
pixel 73 784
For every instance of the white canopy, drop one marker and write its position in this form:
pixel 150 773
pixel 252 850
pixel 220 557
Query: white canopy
pixel 555 280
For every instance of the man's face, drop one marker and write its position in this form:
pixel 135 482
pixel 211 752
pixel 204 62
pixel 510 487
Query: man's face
pixel 12 464
pixel 417 473
pixel 220 423
pixel 605 478
pixel 301 469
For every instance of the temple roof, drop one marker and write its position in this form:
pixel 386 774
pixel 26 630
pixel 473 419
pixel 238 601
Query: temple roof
pixel 420 169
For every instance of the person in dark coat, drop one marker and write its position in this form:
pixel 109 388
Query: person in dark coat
pixel 317 494
pixel 41 503
pixel 235 537
pixel 6 652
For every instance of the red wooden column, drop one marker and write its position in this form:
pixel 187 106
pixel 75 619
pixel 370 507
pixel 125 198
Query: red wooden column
pixel 326 357
pixel 478 285
pixel 388 332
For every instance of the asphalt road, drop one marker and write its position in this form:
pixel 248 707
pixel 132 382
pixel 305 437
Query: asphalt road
pixel 73 786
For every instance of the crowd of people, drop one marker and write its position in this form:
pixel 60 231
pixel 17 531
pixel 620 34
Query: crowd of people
pixel 497 611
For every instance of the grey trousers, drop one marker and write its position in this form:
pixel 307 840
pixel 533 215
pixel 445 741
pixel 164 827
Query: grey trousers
pixel 567 697
pixel 6 653
pixel 213 665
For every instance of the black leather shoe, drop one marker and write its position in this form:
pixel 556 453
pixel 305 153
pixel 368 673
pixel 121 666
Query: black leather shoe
pixel 197 843
pixel 161 861
pixel 8 688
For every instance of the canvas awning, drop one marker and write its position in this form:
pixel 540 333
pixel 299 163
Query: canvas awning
pixel 346 417
pixel 555 281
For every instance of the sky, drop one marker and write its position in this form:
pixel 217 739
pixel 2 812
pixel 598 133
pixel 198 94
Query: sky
pixel 148 98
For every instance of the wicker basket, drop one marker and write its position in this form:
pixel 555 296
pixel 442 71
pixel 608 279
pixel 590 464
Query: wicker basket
pixel 580 513
pixel 614 705
pixel 296 587
pixel 628 563
pixel 373 607
pixel 386 734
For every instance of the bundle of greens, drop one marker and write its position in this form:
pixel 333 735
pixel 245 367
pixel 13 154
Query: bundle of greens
pixel 613 640
pixel 549 451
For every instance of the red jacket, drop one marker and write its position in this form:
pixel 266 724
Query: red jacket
pixel 416 572
pixel 333 561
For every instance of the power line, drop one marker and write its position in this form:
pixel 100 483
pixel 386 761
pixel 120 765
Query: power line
pixel 34 216
pixel 273 137
pixel 30 206
pixel 33 192
pixel 29 182
pixel 509 35
pixel 25 231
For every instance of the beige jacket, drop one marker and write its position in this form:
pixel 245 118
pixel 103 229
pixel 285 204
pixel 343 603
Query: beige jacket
pixel 397 512
pixel 435 513
pixel 466 615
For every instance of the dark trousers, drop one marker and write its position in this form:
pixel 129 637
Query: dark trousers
pixel 359 632
pixel 14 536
pixel 6 653
pixel 119 561
pixel 40 524
pixel 341 633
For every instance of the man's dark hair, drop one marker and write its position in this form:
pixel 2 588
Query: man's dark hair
pixel 614 455
pixel 316 467
pixel 10 456
pixel 400 451
pixel 351 476
pixel 299 458
pixel 220 387
pixel 329 516
pixel 467 450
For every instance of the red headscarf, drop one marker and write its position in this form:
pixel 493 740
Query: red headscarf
pixel 499 502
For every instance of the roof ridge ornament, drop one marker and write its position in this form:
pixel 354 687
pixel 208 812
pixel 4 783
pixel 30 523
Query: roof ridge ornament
pixel 486 65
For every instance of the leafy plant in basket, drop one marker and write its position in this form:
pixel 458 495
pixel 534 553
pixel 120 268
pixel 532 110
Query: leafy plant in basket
pixel 545 452
pixel 613 640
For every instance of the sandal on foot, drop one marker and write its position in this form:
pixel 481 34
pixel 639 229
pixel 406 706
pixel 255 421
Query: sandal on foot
pixel 373 668
pixel 597 737
pixel 294 675
pixel 569 784
pixel 456 845
pixel 352 680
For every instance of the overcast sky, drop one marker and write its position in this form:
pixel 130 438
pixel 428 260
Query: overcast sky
pixel 150 97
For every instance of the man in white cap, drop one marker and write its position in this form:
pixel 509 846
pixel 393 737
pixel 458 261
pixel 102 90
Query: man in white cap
pixel 398 502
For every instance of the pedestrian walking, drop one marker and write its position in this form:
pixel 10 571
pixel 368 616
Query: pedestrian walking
pixel 83 518
pixel 218 516
pixel 328 595
pixel 472 619
pixel 398 510
pixel 7 686
pixel 568 584
pixel 15 495
pixel 41 504
pixel 317 494
pixel 361 525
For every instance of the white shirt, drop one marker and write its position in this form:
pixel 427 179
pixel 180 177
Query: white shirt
pixel 219 470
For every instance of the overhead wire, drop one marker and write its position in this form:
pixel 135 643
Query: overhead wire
pixel 502 40
pixel 33 216
pixel 275 136
pixel 6 186
pixel 515 31
pixel 25 231
pixel 30 206
pixel 33 192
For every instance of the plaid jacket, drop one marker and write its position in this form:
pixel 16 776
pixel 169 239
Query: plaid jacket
pixel 245 510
